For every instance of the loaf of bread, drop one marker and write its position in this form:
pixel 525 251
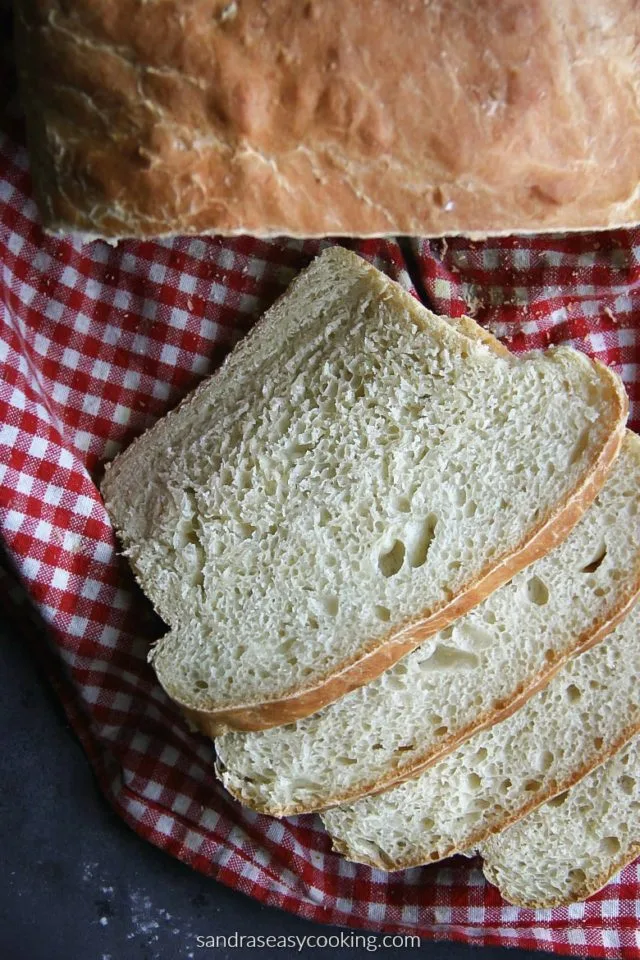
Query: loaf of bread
pixel 570 847
pixel 467 676
pixel 589 710
pixel 316 117
pixel 359 474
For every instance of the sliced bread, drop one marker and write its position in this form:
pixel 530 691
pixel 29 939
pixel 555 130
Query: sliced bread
pixel 466 677
pixel 587 712
pixel 359 474
pixel 570 847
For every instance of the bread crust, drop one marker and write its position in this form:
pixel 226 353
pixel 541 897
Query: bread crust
pixel 582 892
pixel 309 119
pixel 472 841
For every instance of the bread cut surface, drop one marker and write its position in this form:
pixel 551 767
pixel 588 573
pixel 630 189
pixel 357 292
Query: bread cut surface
pixel 332 118
pixel 356 476
pixel 587 712
pixel 570 847
pixel 466 676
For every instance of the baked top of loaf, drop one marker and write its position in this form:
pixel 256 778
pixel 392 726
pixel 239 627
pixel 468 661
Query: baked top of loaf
pixel 465 677
pixel 588 711
pixel 332 118
pixel 356 476
pixel 570 847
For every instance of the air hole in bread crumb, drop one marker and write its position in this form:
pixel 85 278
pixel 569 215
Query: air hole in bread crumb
pixel 576 877
pixel 441 731
pixel 382 613
pixel 331 606
pixel 573 693
pixel 422 540
pixel 201 685
pixel 579 447
pixel 610 845
pixel 405 748
pixel 323 517
pixel 427 823
pixel 559 800
pixel 532 785
pixel 346 761
pixel 597 742
pixel 505 786
pixel 627 785
pixel 474 782
pixel 537 591
pixel 597 560
pixel 470 508
pixel 390 562
pixel 545 760
pixel 297 450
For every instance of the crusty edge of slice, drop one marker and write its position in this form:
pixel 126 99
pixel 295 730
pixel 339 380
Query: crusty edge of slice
pixel 395 777
pixel 367 665
pixel 480 835
pixel 583 892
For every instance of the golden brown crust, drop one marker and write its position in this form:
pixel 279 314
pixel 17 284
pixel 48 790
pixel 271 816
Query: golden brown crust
pixel 582 892
pixel 324 117
pixel 402 641
pixel 482 834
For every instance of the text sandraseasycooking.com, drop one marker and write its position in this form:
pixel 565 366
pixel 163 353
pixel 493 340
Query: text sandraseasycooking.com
pixel 343 940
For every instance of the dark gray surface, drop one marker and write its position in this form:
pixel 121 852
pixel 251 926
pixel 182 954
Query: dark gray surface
pixel 78 884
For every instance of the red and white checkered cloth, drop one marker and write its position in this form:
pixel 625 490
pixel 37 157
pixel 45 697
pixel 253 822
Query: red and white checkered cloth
pixel 96 343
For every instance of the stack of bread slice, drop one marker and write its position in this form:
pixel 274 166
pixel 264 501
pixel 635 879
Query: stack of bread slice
pixel 400 568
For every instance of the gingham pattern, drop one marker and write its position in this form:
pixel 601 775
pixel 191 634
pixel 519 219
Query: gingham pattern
pixel 95 343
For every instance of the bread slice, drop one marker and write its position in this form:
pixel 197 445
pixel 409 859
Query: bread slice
pixel 466 677
pixel 569 848
pixel 588 711
pixel 357 475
